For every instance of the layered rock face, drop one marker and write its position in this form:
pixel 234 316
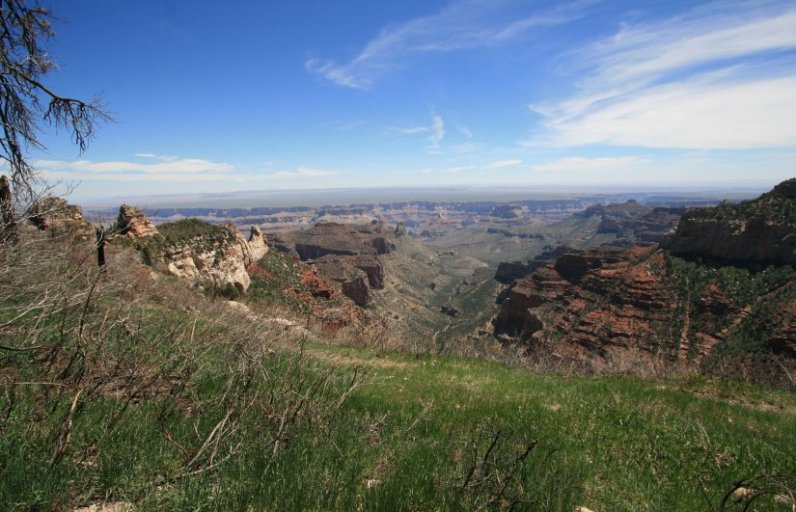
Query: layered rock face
pixel 257 244
pixel 762 230
pixel 591 302
pixel 347 255
pixel 635 220
pixel 506 211
pixel 331 238
pixel 509 271
pixel 600 304
pixel 196 251
pixel 55 213
pixel 134 224
pixel 222 259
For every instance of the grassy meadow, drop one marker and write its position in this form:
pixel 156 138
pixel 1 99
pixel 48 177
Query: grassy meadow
pixel 129 388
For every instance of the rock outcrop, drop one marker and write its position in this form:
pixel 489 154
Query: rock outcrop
pixel 221 259
pixel 258 245
pixel 593 303
pixel 55 213
pixel 195 250
pixel 506 211
pixel 635 221
pixel 133 223
pixel 633 305
pixel 316 286
pixel 331 238
pixel 601 304
pixel 356 288
pixel 509 271
pixel 560 298
pixel 347 255
pixel 761 231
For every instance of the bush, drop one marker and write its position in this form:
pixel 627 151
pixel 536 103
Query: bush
pixel 186 229
pixel 116 385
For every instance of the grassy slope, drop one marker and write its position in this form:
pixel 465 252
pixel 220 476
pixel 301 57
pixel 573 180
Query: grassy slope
pixel 411 430
pixel 613 443
pixel 608 443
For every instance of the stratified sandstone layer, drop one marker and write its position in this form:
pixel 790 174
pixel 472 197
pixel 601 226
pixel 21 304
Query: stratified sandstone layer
pixel 344 254
pixel 134 224
pixel 762 230
pixel 741 300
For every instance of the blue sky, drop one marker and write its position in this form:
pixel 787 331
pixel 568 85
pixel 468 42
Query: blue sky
pixel 211 96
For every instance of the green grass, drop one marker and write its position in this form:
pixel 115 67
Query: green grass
pixel 419 433
pixel 609 443
pixel 614 443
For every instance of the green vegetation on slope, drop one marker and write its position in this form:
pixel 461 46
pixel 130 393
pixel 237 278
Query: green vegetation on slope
pixel 187 229
pixel 747 305
pixel 609 443
pixel 276 273
pixel 776 206
pixel 133 389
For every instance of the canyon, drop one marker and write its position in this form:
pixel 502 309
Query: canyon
pixel 572 281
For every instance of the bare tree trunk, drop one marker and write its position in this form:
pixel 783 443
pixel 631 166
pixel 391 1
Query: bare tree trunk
pixel 101 248
pixel 8 228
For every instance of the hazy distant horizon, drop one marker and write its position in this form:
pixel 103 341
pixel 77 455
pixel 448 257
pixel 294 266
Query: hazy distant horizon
pixel 460 193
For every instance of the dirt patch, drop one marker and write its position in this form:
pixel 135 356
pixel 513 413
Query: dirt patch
pixel 744 402
pixel 341 359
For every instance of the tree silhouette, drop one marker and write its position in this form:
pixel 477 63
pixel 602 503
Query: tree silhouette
pixel 25 100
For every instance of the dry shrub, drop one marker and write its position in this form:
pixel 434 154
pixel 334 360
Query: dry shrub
pixel 72 334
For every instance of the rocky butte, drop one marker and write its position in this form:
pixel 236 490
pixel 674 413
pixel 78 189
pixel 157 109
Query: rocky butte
pixel 193 249
pixel 346 255
pixel 56 214
pixel 717 294
pixel 761 231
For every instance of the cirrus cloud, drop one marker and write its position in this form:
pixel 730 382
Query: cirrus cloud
pixel 577 163
pixel 719 77
pixel 465 24
pixel 173 169
pixel 504 164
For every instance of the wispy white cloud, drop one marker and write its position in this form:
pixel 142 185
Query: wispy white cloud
pixel 718 77
pixel 465 131
pixel 464 24
pixel 575 163
pixel 434 131
pixel 163 158
pixel 457 170
pixel 694 115
pixel 178 167
pixel 499 164
pixel 647 53
pixel 301 172
pixel 179 170
pixel 437 131
pixel 426 171
pixel 412 130
pixel 503 164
